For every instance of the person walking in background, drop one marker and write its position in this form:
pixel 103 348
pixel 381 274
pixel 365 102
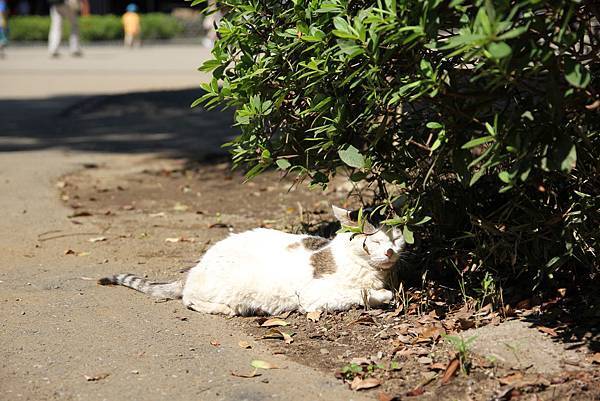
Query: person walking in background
pixel 60 9
pixel 131 26
pixel 3 27
pixel 210 23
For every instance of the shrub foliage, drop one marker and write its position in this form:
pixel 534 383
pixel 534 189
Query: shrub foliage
pixel 95 27
pixel 483 116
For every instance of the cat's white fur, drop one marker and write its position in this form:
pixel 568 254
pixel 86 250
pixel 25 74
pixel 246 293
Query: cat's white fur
pixel 263 271
pixel 266 271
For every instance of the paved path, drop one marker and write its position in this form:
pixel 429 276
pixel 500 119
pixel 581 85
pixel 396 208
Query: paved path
pixel 56 327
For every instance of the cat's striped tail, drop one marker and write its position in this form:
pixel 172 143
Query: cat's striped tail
pixel 160 290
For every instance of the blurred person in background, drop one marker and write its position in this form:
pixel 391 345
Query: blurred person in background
pixel 60 9
pixel 132 27
pixel 3 27
pixel 210 23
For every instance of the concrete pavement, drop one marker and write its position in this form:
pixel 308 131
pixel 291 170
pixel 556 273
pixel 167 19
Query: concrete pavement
pixel 56 326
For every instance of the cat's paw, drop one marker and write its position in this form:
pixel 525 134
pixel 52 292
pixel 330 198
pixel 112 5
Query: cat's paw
pixel 377 297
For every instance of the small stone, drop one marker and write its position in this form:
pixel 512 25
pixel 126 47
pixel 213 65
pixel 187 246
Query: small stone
pixel 324 351
pixel 135 372
pixel 22 313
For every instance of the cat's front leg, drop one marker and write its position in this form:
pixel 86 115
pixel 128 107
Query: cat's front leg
pixel 379 297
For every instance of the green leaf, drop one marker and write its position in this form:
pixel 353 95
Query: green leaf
pixel 283 164
pixel 570 161
pixel 408 235
pixel 434 125
pixel 577 75
pixel 504 177
pixel 352 157
pixel 478 141
pixel 422 221
pixel 499 50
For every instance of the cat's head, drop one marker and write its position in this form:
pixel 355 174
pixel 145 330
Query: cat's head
pixel 380 245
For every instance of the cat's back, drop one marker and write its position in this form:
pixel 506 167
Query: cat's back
pixel 262 248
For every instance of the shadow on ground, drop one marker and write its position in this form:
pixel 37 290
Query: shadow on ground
pixel 159 121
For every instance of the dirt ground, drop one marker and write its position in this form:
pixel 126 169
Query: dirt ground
pixel 172 210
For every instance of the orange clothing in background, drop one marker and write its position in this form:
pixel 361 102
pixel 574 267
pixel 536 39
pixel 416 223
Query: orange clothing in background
pixel 131 23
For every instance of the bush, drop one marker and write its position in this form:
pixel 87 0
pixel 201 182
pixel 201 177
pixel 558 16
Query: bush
pixel 29 28
pixel 95 27
pixel 160 26
pixel 483 117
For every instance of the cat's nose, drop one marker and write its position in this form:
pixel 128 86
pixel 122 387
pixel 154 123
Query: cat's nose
pixel 389 253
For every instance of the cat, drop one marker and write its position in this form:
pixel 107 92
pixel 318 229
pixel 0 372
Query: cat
pixel 268 272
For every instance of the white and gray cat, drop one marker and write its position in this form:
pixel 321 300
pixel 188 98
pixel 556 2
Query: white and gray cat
pixel 265 271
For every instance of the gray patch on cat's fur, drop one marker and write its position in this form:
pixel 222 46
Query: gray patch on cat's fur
pixel 323 263
pixel 314 243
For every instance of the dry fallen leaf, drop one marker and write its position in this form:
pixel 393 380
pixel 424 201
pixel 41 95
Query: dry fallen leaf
pixel 595 358
pixel 425 360
pixel 415 392
pixel 97 377
pixel 450 370
pixel 274 322
pixel 314 315
pixel 97 239
pixel 179 239
pixel 363 384
pixel 180 207
pixel 254 373
pixel 276 333
pixel 382 396
pixel 511 379
pixel 437 366
pixel 244 344
pixel 216 343
pixel 547 330
pixel 257 363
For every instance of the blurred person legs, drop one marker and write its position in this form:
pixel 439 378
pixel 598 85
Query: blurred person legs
pixel 3 27
pixel 58 11
pixel 210 23
pixel 132 40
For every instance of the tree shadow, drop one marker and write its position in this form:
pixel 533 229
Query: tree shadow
pixel 157 121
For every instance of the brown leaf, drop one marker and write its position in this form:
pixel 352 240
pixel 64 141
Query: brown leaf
pixel 450 370
pixel 547 330
pixel 511 379
pixel 363 384
pixel 81 213
pixel 216 343
pixel 97 377
pixel 276 333
pixel 595 358
pixel 382 396
pixel 415 392
pixel 244 344
pixel 274 322
pixel 365 319
pixel 314 315
pixel 254 373
pixel 437 366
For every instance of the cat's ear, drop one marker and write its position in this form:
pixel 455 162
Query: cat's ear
pixel 343 216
